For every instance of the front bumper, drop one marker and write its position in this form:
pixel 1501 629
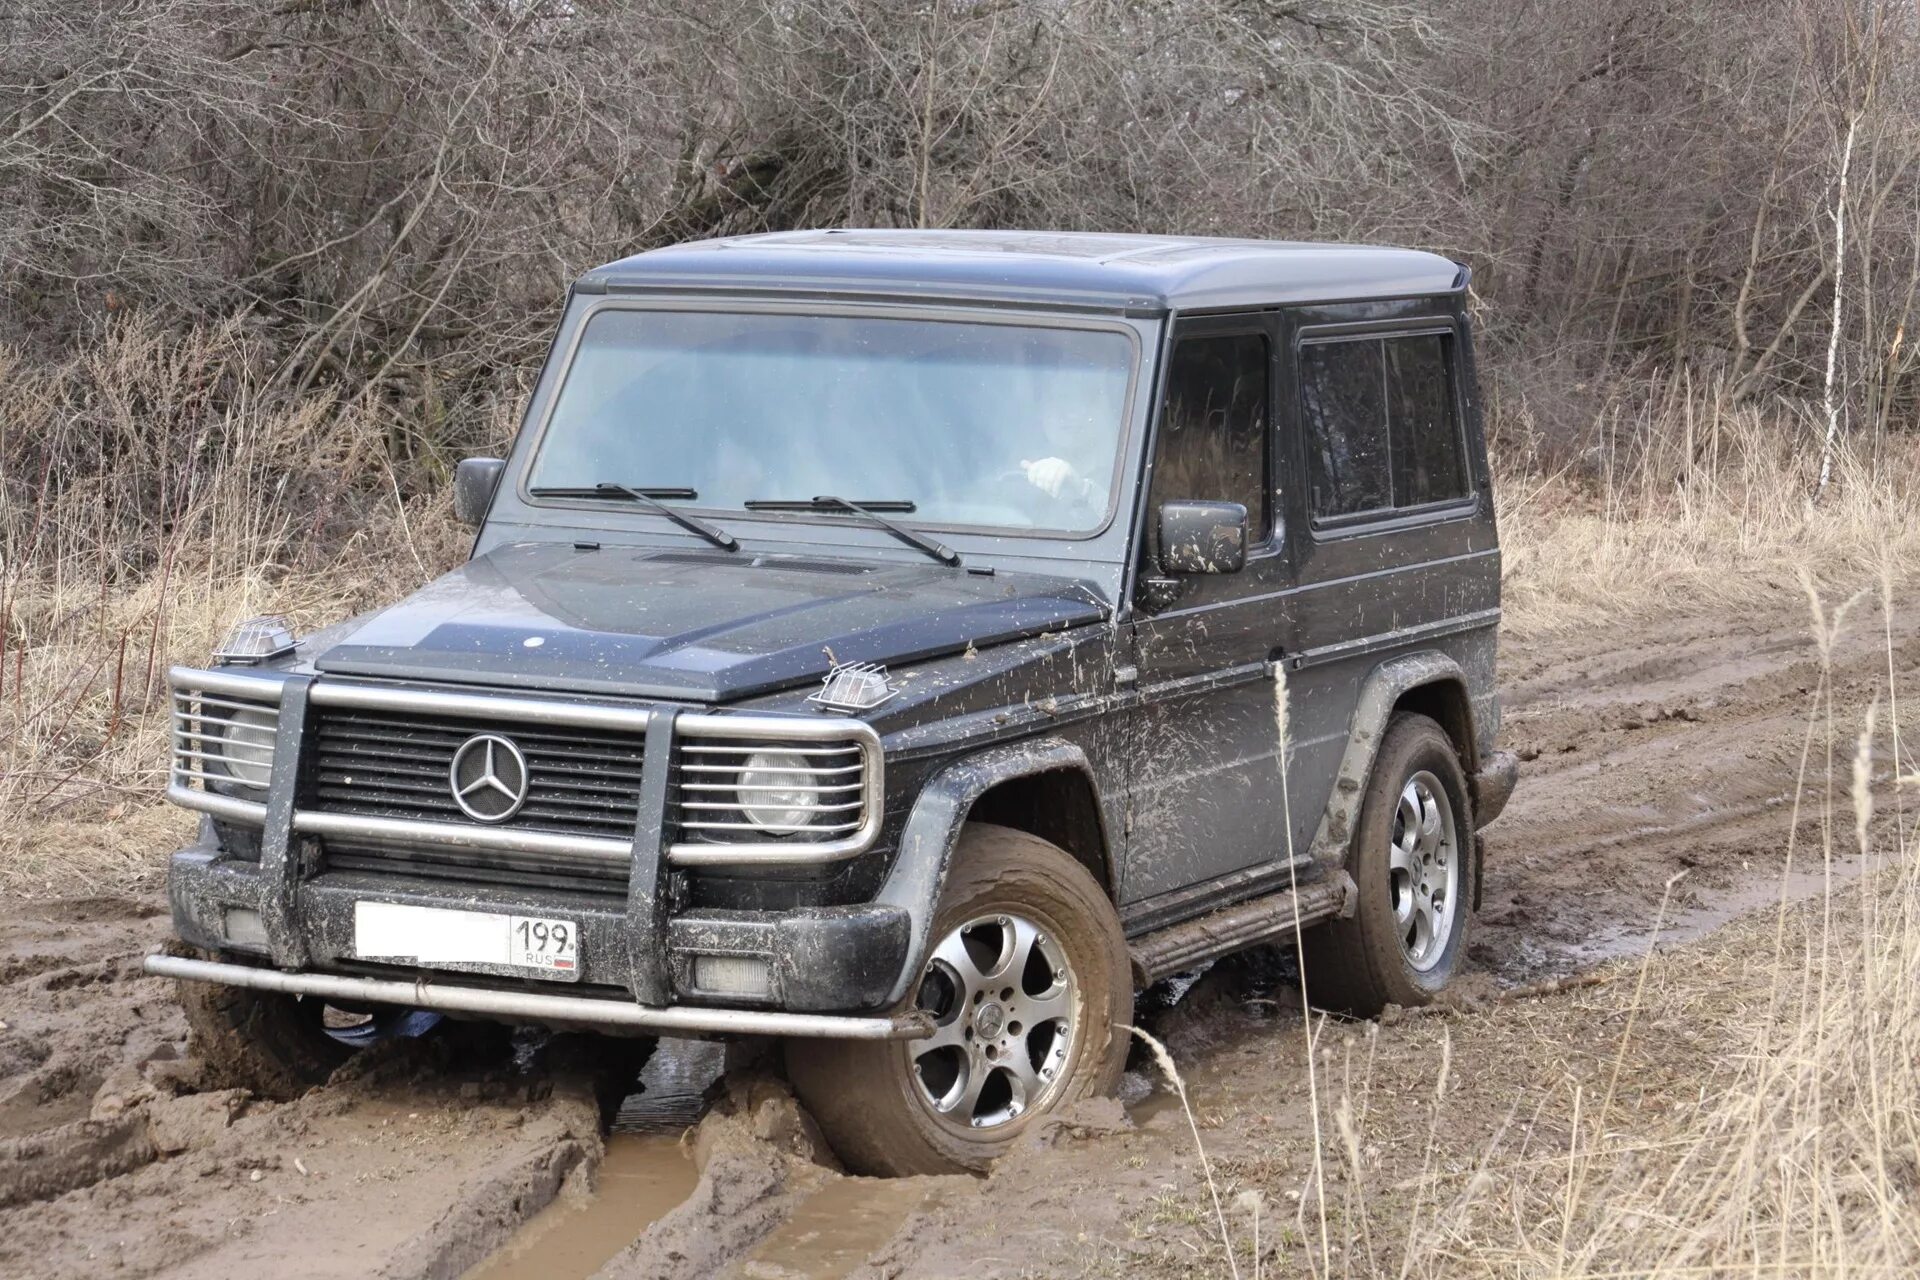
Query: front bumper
pixel 541 1006
pixel 817 960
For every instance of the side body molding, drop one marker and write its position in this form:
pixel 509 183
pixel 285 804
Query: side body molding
pixel 933 831
pixel 1371 710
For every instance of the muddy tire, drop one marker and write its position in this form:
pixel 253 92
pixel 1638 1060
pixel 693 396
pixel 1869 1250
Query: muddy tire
pixel 1029 986
pixel 279 1045
pixel 267 1041
pixel 1412 863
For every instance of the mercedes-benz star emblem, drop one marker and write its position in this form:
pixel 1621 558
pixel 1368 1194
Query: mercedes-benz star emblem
pixel 489 778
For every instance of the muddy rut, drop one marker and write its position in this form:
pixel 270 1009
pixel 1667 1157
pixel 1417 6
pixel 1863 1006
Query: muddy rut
pixel 1649 753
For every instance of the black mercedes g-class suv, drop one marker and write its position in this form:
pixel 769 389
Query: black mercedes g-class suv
pixel 905 644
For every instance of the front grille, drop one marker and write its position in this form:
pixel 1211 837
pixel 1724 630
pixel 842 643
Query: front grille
pixel 398 764
pixel 433 863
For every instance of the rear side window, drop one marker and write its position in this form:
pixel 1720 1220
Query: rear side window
pixel 1213 430
pixel 1344 409
pixel 1382 432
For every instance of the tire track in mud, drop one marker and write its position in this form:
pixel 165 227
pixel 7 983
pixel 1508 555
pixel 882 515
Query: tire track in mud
pixel 116 1157
pixel 1647 751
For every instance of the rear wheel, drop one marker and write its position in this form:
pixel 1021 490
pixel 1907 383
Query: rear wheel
pixel 1029 992
pixel 1412 863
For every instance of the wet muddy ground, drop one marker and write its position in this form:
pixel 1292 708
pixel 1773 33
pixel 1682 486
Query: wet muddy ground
pixel 1650 753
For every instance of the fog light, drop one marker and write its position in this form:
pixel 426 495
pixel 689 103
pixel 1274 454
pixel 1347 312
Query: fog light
pixel 244 928
pixel 733 975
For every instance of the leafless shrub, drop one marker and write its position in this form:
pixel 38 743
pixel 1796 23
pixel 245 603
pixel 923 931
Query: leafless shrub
pixel 394 194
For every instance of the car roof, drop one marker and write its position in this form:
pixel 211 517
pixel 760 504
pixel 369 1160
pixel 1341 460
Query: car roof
pixel 1088 270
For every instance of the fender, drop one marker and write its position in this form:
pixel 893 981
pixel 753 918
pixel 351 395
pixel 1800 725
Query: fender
pixel 933 826
pixel 1383 687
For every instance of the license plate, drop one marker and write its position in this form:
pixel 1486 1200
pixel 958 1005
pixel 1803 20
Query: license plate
pixel 475 941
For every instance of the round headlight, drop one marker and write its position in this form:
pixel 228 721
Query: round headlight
pixel 246 746
pixel 777 792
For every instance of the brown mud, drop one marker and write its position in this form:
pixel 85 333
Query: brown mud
pixel 1660 767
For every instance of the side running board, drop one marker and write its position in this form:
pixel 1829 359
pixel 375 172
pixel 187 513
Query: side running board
pixel 1271 918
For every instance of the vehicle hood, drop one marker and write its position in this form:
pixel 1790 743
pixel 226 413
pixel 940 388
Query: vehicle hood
pixel 697 626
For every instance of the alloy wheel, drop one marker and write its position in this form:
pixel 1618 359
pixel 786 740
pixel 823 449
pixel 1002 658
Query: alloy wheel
pixel 1001 996
pixel 1423 870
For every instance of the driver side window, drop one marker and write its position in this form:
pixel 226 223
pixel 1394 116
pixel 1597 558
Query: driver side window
pixel 1213 438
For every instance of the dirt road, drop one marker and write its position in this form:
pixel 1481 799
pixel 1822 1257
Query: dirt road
pixel 1650 752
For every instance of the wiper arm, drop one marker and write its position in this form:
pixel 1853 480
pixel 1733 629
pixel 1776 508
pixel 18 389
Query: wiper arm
pixel 871 512
pixel 650 499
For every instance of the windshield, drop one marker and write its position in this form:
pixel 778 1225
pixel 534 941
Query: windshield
pixel 1015 426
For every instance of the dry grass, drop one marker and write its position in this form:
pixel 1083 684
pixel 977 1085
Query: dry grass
pixel 1685 500
pixel 152 492
pixel 1748 1105
pixel 1801 1150
pixel 1789 1142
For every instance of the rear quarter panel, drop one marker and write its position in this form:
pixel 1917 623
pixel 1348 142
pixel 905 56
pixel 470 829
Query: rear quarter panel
pixel 1367 594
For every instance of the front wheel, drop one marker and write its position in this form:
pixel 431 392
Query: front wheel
pixel 1028 987
pixel 280 1045
pixel 1412 864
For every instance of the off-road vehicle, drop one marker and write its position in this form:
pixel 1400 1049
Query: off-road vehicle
pixel 903 644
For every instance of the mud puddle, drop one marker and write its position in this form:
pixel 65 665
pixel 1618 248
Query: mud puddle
pixel 838 1227
pixel 645 1173
pixel 641 1177
pixel 1722 907
pixel 829 1226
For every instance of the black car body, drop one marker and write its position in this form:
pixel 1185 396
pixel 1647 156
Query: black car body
pixel 1296 543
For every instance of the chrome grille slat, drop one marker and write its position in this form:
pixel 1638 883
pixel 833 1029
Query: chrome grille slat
pixel 212 700
pixel 195 775
pixel 837 766
pixel 736 808
pixel 763 833
pixel 602 826
pixel 782 747
pixel 352 766
pixel 182 718
pixel 344 786
pixel 735 768
pixel 747 786
pixel 206 707
pixel 377 744
pixel 432 781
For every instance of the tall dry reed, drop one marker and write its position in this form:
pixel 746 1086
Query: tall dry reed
pixel 1799 1153
pixel 1688 499
pixel 153 490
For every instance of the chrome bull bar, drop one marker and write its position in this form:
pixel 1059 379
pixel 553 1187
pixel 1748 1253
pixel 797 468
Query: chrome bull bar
pixel 535 1006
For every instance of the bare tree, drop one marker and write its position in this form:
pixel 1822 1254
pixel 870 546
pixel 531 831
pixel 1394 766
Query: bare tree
pixel 393 193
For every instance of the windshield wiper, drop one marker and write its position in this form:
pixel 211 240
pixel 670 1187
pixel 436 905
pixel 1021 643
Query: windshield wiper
pixel 871 511
pixel 650 499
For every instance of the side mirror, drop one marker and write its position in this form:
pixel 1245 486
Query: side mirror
pixel 474 481
pixel 1203 537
